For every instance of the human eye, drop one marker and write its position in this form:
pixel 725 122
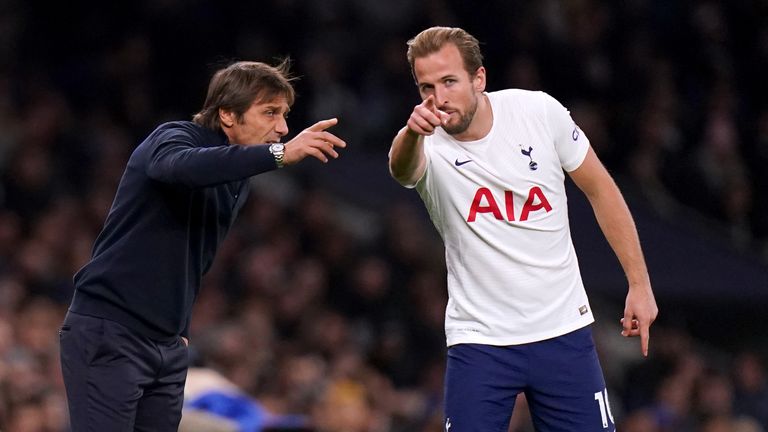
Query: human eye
pixel 449 82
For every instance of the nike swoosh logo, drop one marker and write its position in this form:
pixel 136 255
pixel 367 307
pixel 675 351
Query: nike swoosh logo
pixel 457 163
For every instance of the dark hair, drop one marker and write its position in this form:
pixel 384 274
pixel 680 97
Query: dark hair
pixel 238 86
pixel 433 39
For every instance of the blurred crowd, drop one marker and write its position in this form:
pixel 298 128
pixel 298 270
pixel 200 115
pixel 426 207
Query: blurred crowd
pixel 319 305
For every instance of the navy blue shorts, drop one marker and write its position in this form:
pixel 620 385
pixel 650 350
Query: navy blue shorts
pixel 561 378
pixel 118 380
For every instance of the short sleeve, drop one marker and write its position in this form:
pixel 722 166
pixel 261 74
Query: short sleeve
pixel 571 144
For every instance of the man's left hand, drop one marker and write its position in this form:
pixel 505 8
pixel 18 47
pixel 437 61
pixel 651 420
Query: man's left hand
pixel 640 311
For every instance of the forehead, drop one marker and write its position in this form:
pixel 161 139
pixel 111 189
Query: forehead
pixel 446 61
pixel 279 101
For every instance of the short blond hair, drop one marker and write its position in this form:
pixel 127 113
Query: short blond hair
pixel 433 39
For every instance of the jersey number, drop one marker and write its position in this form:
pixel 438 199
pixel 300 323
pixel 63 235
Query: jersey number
pixel 605 407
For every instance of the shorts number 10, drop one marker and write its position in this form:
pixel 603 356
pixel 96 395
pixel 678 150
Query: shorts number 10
pixel 605 407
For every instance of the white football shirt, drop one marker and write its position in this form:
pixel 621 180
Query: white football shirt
pixel 499 204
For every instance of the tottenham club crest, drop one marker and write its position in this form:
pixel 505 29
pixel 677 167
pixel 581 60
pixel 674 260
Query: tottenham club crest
pixel 532 164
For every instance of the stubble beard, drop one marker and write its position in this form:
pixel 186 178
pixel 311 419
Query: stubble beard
pixel 464 120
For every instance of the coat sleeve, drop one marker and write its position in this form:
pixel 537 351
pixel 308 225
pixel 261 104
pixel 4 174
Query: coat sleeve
pixel 175 158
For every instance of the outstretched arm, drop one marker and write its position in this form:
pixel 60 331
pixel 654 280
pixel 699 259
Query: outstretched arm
pixel 406 157
pixel 616 222
pixel 177 159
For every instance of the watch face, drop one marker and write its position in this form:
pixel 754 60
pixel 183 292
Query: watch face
pixel 277 147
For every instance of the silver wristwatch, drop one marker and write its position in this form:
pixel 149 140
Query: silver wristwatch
pixel 278 151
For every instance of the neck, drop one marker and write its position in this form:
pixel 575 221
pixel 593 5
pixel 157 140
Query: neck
pixel 481 122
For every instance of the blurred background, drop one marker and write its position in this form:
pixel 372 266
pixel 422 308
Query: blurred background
pixel 324 310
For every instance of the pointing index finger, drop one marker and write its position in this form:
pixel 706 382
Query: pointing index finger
pixel 323 125
pixel 429 103
pixel 645 336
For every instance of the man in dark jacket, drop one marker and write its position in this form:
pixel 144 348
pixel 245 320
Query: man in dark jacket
pixel 124 340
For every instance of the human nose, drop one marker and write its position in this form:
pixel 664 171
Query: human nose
pixel 440 96
pixel 282 126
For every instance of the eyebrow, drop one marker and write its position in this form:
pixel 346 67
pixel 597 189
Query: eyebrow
pixel 277 108
pixel 442 78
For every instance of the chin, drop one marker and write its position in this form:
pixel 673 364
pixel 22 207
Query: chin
pixel 454 129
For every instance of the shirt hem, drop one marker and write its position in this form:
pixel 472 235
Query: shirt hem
pixel 85 304
pixel 461 338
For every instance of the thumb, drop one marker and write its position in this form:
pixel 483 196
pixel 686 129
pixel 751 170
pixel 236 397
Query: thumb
pixel 626 323
pixel 444 116
pixel 323 125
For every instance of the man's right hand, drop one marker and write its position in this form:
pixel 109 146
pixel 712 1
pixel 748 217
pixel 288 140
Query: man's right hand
pixel 406 157
pixel 425 117
pixel 313 141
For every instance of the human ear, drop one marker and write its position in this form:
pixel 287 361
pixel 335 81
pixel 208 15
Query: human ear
pixel 227 118
pixel 479 80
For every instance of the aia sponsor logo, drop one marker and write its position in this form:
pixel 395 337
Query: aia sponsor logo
pixel 484 202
